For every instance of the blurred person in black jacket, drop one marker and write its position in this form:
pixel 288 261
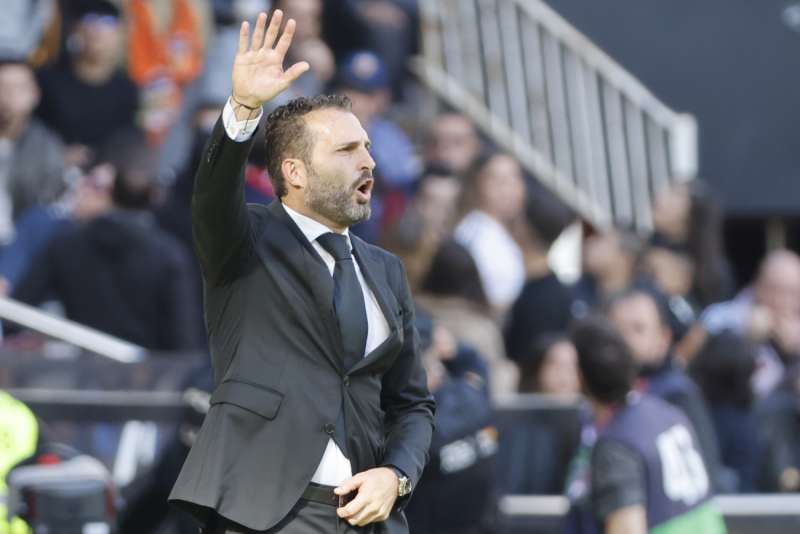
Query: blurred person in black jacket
pixel 456 491
pixel 687 216
pixel 534 454
pixel 723 370
pixel 544 305
pixel 609 266
pixel 87 95
pixel 118 272
pixel 779 415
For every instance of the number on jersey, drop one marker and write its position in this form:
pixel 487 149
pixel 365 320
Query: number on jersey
pixel 685 477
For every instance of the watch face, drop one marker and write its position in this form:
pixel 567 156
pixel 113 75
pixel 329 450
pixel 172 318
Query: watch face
pixel 405 487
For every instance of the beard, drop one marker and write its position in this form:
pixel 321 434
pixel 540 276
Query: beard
pixel 335 201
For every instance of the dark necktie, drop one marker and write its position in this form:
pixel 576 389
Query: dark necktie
pixel 348 299
pixel 351 314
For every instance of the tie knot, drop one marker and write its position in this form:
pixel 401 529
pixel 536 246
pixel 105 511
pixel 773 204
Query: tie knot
pixel 336 245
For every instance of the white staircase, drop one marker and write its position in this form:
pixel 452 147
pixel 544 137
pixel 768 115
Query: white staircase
pixel 542 91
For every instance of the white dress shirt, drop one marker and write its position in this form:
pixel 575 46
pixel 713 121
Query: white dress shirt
pixel 334 468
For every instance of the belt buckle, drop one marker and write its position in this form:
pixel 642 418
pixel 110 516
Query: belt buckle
pixel 344 499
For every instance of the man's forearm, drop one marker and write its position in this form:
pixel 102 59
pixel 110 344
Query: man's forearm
pixel 219 211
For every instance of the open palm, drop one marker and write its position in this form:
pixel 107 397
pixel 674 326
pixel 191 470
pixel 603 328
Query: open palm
pixel 258 74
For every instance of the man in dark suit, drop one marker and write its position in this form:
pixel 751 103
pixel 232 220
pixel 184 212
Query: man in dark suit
pixel 321 419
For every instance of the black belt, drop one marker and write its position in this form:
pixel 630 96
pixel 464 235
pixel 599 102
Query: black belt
pixel 325 495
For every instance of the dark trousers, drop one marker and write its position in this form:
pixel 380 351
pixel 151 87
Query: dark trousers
pixel 307 517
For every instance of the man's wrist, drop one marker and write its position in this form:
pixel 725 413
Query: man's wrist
pixel 244 110
pixel 245 102
pixel 403 482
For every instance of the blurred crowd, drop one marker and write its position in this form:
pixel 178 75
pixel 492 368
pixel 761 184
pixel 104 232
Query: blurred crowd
pixel 105 107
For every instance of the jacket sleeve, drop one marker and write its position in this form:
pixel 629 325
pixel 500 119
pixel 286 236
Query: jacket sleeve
pixel 405 398
pixel 220 224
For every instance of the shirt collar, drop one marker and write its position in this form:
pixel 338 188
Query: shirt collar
pixel 312 229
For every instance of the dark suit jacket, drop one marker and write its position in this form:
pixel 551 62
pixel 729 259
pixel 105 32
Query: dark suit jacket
pixel 277 357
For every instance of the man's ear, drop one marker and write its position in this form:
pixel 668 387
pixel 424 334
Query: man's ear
pixel 294 171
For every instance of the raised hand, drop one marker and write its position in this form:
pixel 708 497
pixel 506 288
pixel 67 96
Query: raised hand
pixel 258 74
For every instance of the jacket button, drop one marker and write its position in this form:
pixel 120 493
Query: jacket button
pixel 329 429
pixel 346 381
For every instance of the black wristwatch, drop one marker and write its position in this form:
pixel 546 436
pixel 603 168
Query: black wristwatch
pixel 404 486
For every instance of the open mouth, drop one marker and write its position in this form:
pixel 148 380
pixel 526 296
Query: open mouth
pixel 364 189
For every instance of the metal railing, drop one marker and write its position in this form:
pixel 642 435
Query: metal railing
pixel 70 332
pixel 744 514
pixel 577 120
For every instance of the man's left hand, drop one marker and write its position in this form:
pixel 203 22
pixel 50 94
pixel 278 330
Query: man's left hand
pixel 377 492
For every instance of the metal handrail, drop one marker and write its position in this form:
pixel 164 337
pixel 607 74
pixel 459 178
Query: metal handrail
pixel 576 119
pixel 70 332
pixel 728 505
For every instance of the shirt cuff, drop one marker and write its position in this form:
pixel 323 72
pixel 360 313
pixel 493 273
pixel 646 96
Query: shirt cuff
pixel 238 130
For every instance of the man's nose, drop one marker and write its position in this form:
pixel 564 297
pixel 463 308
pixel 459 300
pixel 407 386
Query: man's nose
pixel 368 161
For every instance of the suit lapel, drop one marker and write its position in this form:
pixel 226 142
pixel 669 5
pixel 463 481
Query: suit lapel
pixel 314 273
pixel 374 274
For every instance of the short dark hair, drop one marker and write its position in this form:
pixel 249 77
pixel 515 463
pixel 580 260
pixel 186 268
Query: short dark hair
pixel 642 289
pixel 136 167
pixel 723 369
pixel 285 134
pixel 605 361
pixel 532 361
pixel 546 214
pixel 453 272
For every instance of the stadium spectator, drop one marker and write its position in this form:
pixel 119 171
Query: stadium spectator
pixel 31 156
pixel 723 370
pixel 645 471
pixel 29 30
pixel 87 196
pixel 535 452
pixel 641 318
pixel 688 216
pixel 308 45
pixel 455 492
pixel 452 292
pixel 544 305
pixel 392 31
pixel 768 313
pixel 780 427
pixel 550 367
pixel 493 204
pixel 669 267
pixel 86 97
pixel 436 200
pixel 165 55
pixel 453 142
pixel 609 266
pixel 426 222
pixel 119 272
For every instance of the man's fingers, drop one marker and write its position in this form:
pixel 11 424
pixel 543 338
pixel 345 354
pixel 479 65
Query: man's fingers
pixel 244 34
pixel 258 32
pixel 272 31
pixel 366 516
pixel 353 508
pixel 351 484
pixel 294 72
pixel 286 38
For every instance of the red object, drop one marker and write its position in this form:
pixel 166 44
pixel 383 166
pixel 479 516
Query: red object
pixel 48 459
